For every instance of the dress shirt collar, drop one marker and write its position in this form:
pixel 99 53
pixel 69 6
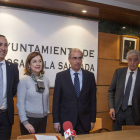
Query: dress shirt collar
pixel 3 62
pixel 135 71
pixel 79 71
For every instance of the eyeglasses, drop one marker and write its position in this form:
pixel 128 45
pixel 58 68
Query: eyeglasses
pixel 77 58
pixel 134 60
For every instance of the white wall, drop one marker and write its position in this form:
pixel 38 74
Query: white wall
pixel 33 30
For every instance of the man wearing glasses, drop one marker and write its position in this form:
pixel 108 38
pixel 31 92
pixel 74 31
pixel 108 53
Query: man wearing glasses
pixel 9 78
pixel 74 96
pixel 123 93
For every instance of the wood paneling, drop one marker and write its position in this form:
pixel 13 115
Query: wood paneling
pixel 102 102
pixel 50 99
pixel 16 127
pixel 50 128
pixel 106 69
pixel 108 57
pixel 109 46
pixel 131 127
pixel 15 107
pixel 107 122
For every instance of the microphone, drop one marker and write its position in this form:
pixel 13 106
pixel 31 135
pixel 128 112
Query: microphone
pixel 68 130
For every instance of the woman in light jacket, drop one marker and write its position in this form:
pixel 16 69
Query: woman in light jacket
pixel 33 96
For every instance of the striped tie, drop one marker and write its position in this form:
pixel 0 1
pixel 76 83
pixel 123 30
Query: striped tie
pixel 77 84
pixel 1 85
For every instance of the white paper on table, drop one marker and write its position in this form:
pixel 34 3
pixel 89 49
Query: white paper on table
pixel 45 137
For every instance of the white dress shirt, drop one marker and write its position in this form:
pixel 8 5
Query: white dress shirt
pixel 134 75
pixel 4 104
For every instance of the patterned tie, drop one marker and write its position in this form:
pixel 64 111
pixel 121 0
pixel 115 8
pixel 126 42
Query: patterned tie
pixel 127 92
pixel 77 84
pixel 1 85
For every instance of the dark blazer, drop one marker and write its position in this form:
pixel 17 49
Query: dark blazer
pixel 136 102
pixel 12 81
pixel 116 92
pixel 67 106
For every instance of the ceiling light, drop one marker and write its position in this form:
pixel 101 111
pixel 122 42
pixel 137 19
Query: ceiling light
pixel 84 11
pixel 124 27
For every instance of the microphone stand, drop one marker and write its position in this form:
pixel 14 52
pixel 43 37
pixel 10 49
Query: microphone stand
pixel 71 138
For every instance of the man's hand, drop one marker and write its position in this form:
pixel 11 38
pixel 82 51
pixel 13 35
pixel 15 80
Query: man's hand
pixel 92 125
pixel 112 114
pixel 30 128
pixel 57 127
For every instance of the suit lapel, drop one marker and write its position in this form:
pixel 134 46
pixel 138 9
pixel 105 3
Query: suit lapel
pixel 137 82
pixel 8 73
pixel 71 86
pixel 84 81
pixel 123 77
pixel 69 82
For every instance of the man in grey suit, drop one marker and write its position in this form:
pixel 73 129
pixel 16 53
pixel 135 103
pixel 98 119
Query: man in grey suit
pixel 122 92
pixel 74 96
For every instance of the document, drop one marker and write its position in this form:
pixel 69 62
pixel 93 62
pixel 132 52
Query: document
pixel 45 137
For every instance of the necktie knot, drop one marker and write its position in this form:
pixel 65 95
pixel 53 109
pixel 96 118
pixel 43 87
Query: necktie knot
pixel 131 73
pixel 76 74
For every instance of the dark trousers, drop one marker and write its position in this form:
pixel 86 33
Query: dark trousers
pixel 5 126
pixel 79 128
pixel 39 125
pixel 123 118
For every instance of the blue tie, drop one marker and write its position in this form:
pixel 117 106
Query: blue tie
pixel 77 84
pixel 1 85
pixel 127 92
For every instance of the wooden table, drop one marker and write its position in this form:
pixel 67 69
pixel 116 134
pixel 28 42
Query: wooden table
pixel 116 135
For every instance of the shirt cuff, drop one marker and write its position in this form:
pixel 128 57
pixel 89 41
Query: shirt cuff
pixel 57 123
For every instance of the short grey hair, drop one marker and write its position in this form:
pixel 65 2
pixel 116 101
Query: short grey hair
pixel 74 49
pixel 132 53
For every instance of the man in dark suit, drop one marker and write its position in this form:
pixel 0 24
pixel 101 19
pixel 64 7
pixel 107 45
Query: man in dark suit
pixel 130 47
pixel 9 78
pixel 122 95
pixel 74 96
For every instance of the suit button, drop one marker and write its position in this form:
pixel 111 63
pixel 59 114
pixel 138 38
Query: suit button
pixel 76 110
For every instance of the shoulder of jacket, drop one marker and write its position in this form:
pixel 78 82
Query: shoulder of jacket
pixel 62 72
pixel 121 69
pixel 25 77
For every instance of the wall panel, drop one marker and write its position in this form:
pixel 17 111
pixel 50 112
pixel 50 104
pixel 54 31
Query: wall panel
pixel 102 102
pixel 109 46
pixel 106 69
pixel 107 122
pixel 16 127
